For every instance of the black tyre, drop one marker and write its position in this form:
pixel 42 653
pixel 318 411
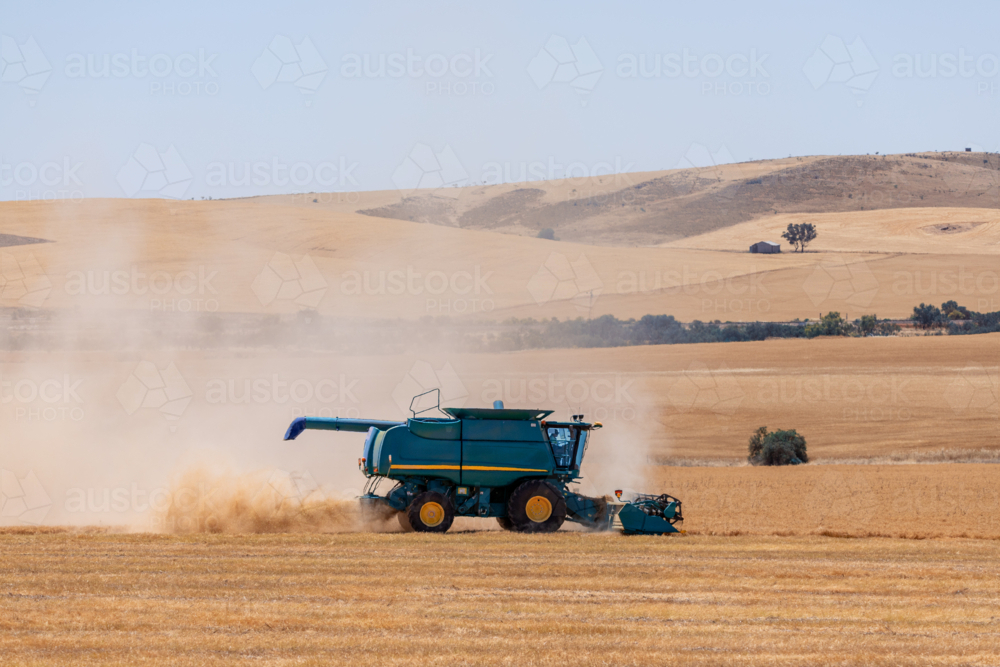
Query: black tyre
pixel 404 522
pixel 536 507
pixel 505 523
pixel 431 512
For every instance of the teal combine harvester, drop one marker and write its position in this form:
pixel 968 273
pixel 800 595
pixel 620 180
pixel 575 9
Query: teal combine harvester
pixel 513 465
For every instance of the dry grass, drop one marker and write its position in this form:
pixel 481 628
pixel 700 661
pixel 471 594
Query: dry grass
pixel 943 455
pixel 495 599
pixel 705 277
pixel 911 501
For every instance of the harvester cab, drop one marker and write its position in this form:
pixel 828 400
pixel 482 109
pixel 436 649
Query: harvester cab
pixel 514 465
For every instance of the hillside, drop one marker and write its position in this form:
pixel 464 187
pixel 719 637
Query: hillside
pixel 276 255
pixel 657 207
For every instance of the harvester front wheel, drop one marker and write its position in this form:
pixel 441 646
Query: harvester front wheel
pixel 536 507
pixel 431 512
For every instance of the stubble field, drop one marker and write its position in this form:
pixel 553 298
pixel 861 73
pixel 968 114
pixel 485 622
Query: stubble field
pixel 481 598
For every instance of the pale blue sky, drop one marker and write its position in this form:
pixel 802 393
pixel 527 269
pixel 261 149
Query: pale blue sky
pixel 354 133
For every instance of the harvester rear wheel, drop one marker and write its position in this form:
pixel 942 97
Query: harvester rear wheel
pixel 431 512
pixel 505 523
pixel 536 507
pixel 404 522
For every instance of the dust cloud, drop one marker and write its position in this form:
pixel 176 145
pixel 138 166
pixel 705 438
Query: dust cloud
pixel 203 500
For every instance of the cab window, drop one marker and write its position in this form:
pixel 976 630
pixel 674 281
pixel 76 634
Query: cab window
pixel 563 442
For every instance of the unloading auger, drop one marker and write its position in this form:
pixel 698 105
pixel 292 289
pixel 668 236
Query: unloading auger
pixel 511 464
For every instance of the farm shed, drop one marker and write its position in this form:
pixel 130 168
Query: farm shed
pixel 765 247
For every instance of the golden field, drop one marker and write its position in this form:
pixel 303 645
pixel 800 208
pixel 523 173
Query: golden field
pixel 495 599
pixel 377 267
pixel 867 500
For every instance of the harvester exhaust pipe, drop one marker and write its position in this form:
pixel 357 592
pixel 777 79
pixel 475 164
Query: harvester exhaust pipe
pixel 498 405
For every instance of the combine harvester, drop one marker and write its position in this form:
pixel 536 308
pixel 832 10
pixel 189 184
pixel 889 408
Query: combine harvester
pixel 513 465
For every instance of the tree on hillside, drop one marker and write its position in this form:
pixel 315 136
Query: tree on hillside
pixel 800 235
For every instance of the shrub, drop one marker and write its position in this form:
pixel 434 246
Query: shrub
pixel 779 448
pixel 832 324
pixel 926 316
pixel 547 233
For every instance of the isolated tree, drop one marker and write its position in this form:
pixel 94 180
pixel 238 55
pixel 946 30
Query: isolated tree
pixel 547 233
pixel 800 235
pixel 780 448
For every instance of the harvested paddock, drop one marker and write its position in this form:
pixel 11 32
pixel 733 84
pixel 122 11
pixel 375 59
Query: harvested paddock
pixel 495 599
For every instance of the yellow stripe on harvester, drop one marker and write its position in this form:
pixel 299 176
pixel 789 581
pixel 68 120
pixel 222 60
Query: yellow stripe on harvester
pixel 504 469
pixel 396 466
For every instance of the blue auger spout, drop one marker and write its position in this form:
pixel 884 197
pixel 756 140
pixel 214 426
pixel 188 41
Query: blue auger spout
pixel 336 424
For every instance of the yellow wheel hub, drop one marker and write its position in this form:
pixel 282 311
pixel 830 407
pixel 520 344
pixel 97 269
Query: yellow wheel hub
pixel 431 514
pixel 538 509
